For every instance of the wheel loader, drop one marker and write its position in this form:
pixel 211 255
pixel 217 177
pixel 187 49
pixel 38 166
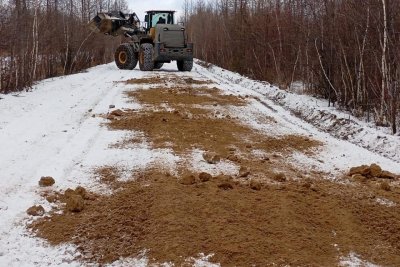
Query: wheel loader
pixel 159 41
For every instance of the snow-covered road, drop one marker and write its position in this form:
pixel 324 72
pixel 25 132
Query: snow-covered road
pixel 51 131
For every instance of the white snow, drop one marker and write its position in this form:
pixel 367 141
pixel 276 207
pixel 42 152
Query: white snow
pixel 337 155
pixel 353 260
pixel 51 132
pixel 386 202
pixel 316 111
pixel 198 164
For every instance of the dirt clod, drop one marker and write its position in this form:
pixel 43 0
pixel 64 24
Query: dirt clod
pixel 363 170
pixel 46 181
pixel 255 185
pixel 52 198
pixel 244 172
pixel 388 175
pixel 69 192
pixel 233 158
pixel 117 113
pixel 225 186
pixel 188 180
pixel 211 158
pixel 205 177
pixel 81 191
pixel 280 177
pixel 111 117
pixel 385 186
pixel 375 170
pixel 35 211
pixel 75 203
pixel 359 178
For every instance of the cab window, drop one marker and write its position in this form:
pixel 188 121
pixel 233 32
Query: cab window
pixel 161 18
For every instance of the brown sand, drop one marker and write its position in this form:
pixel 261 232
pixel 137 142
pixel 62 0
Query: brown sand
pixel 265 218
pixel 185 96
pixel 163 79
pixel 294 224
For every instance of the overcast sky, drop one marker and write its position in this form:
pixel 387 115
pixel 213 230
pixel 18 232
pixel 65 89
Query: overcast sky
pixel 140 6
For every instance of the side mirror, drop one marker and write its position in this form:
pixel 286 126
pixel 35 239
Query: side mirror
pixel 146 18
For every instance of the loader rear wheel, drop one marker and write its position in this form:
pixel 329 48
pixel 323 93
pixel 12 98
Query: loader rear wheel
pixel 158 65
pixel 185 65
pixel 146 62
pixel 125 57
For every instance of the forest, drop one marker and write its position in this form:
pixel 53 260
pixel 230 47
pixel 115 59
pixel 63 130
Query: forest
pixel 47 38
pixel 346 51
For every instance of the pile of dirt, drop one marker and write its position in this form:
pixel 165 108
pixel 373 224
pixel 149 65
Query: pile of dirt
pixel 185 96
pixel 242 224
pixel 71 200
pixel 184 126
pixel 374 171
pixel 164 79
pixel 175 130
pixel 149 80
pixel 188 126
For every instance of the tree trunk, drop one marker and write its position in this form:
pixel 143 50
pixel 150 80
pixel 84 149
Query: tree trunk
pixel 384 63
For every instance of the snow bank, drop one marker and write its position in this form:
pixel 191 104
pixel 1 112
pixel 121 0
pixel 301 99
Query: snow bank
pixel 316 112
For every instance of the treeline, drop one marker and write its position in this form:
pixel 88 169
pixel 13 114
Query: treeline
pixel 46 38
pixel 346 51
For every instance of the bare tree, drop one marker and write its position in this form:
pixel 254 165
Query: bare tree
pixel 354 61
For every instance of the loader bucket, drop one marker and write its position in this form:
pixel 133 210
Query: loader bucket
pixel 94 24
pixel 106 23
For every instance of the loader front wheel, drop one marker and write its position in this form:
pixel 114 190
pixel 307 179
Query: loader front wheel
pixel 184 65
pixel 146 62
pixel 125 57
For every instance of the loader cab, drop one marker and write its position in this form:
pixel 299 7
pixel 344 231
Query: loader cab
pixel 153 18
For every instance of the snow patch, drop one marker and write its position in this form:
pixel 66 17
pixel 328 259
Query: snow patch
pixel 354 260
pixel 386 202
pixel 198 164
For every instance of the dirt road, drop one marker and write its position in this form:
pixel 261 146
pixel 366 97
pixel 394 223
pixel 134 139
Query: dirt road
pixel 185 168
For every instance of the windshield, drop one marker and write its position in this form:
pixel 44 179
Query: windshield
pixel 162 18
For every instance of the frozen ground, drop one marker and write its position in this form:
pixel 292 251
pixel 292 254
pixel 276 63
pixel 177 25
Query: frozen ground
pixel 51 132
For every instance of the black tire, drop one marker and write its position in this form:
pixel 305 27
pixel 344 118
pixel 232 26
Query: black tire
pixel 146 62
pixel 158 65
pixel 125 57
pixel 186 65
